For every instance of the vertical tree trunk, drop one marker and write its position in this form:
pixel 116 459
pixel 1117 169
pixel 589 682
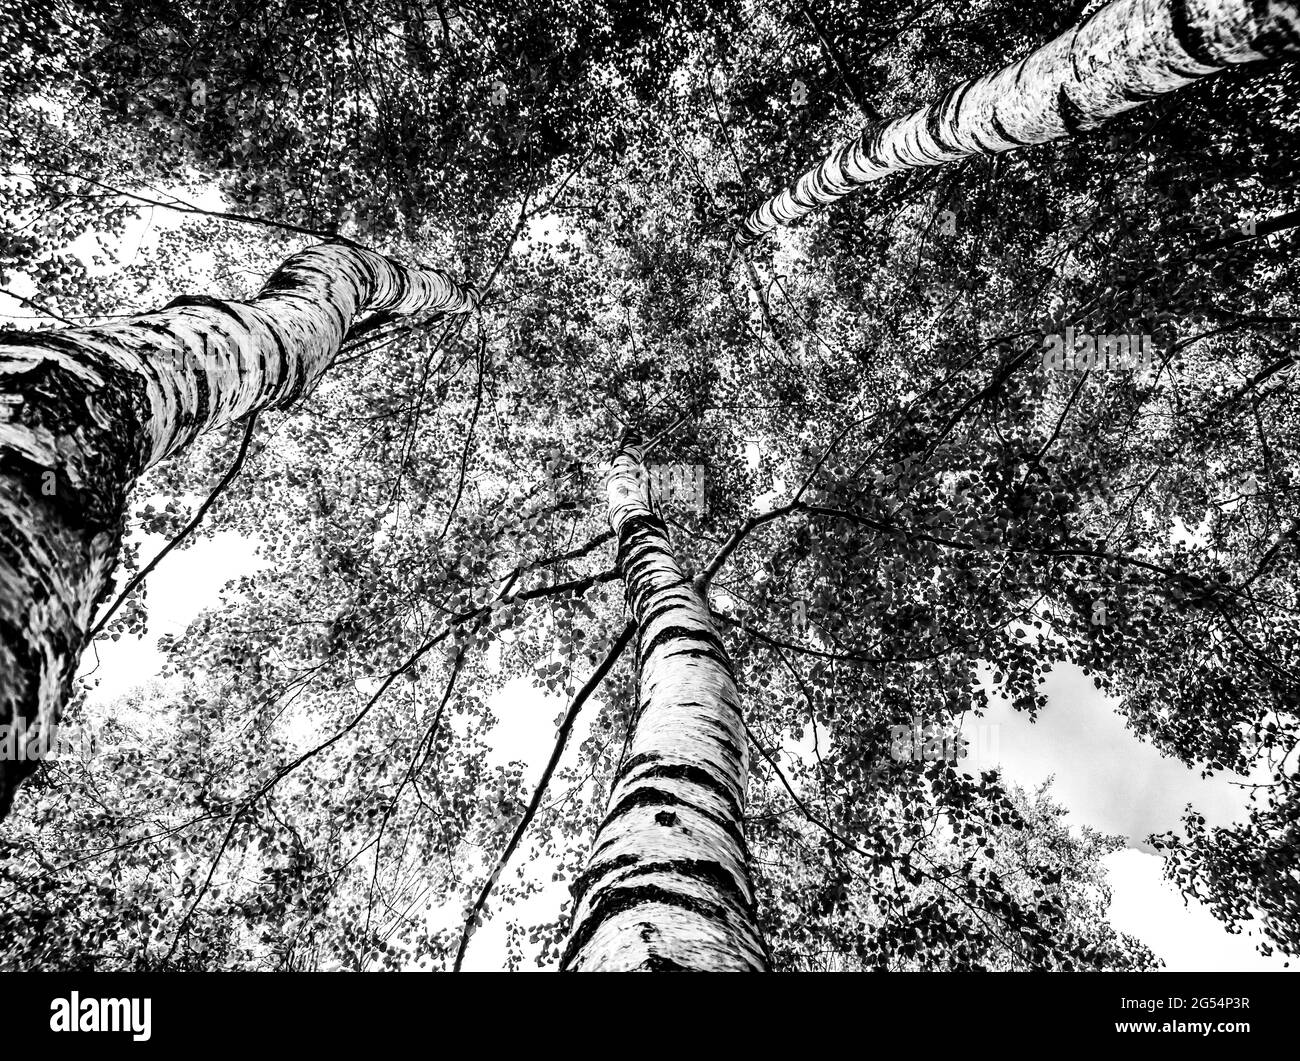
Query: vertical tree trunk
pixel 1126 53
pixel 667 886
pixel 84 411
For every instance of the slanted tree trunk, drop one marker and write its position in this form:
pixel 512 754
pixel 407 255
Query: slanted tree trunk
pixel 1128 52
pixel 84 411
pixel 667 885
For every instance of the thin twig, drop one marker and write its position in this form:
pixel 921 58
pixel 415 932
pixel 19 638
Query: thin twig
pixel 561 739
pixel 189 528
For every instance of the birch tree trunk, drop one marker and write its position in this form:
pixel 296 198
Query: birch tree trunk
pixel 1128 52
pixel 667 886
pixel 84 411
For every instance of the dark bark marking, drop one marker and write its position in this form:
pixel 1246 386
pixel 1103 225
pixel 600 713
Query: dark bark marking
pixel 1191 38
pixel 694 775
pixel 616 902
pixel 649 796
pixel 1072 116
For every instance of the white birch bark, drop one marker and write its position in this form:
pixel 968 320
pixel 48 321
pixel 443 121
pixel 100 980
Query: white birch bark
pixel 667 886
pixel 85 411
pixel 1126 53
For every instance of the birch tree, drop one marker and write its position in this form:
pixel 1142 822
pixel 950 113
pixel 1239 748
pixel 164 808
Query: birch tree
pixel 85 411
pixel 1128 52
pixel 668 884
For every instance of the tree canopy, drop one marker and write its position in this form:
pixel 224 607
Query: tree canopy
pixel 896 506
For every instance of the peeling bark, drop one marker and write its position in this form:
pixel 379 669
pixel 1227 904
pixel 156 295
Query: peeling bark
pixel 1126 53
pixel 85 411
pixel 667 886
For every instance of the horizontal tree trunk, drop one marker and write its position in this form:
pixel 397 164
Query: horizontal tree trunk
pixel 1128 52
pixel 667 886
pixel 85 411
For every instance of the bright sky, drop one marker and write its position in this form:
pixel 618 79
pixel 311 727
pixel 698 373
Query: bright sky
pixel 1112 781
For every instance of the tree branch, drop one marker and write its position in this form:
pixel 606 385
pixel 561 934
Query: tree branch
pixel 561 739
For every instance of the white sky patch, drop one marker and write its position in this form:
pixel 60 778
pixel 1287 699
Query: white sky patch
pixel 525 728
pixel 551 230
pixel 1188 938
pixel 1118 784
pixel 182 585
pixel 1106 776
pixel 1181 534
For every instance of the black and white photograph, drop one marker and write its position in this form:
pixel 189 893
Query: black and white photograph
pixel 776 486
